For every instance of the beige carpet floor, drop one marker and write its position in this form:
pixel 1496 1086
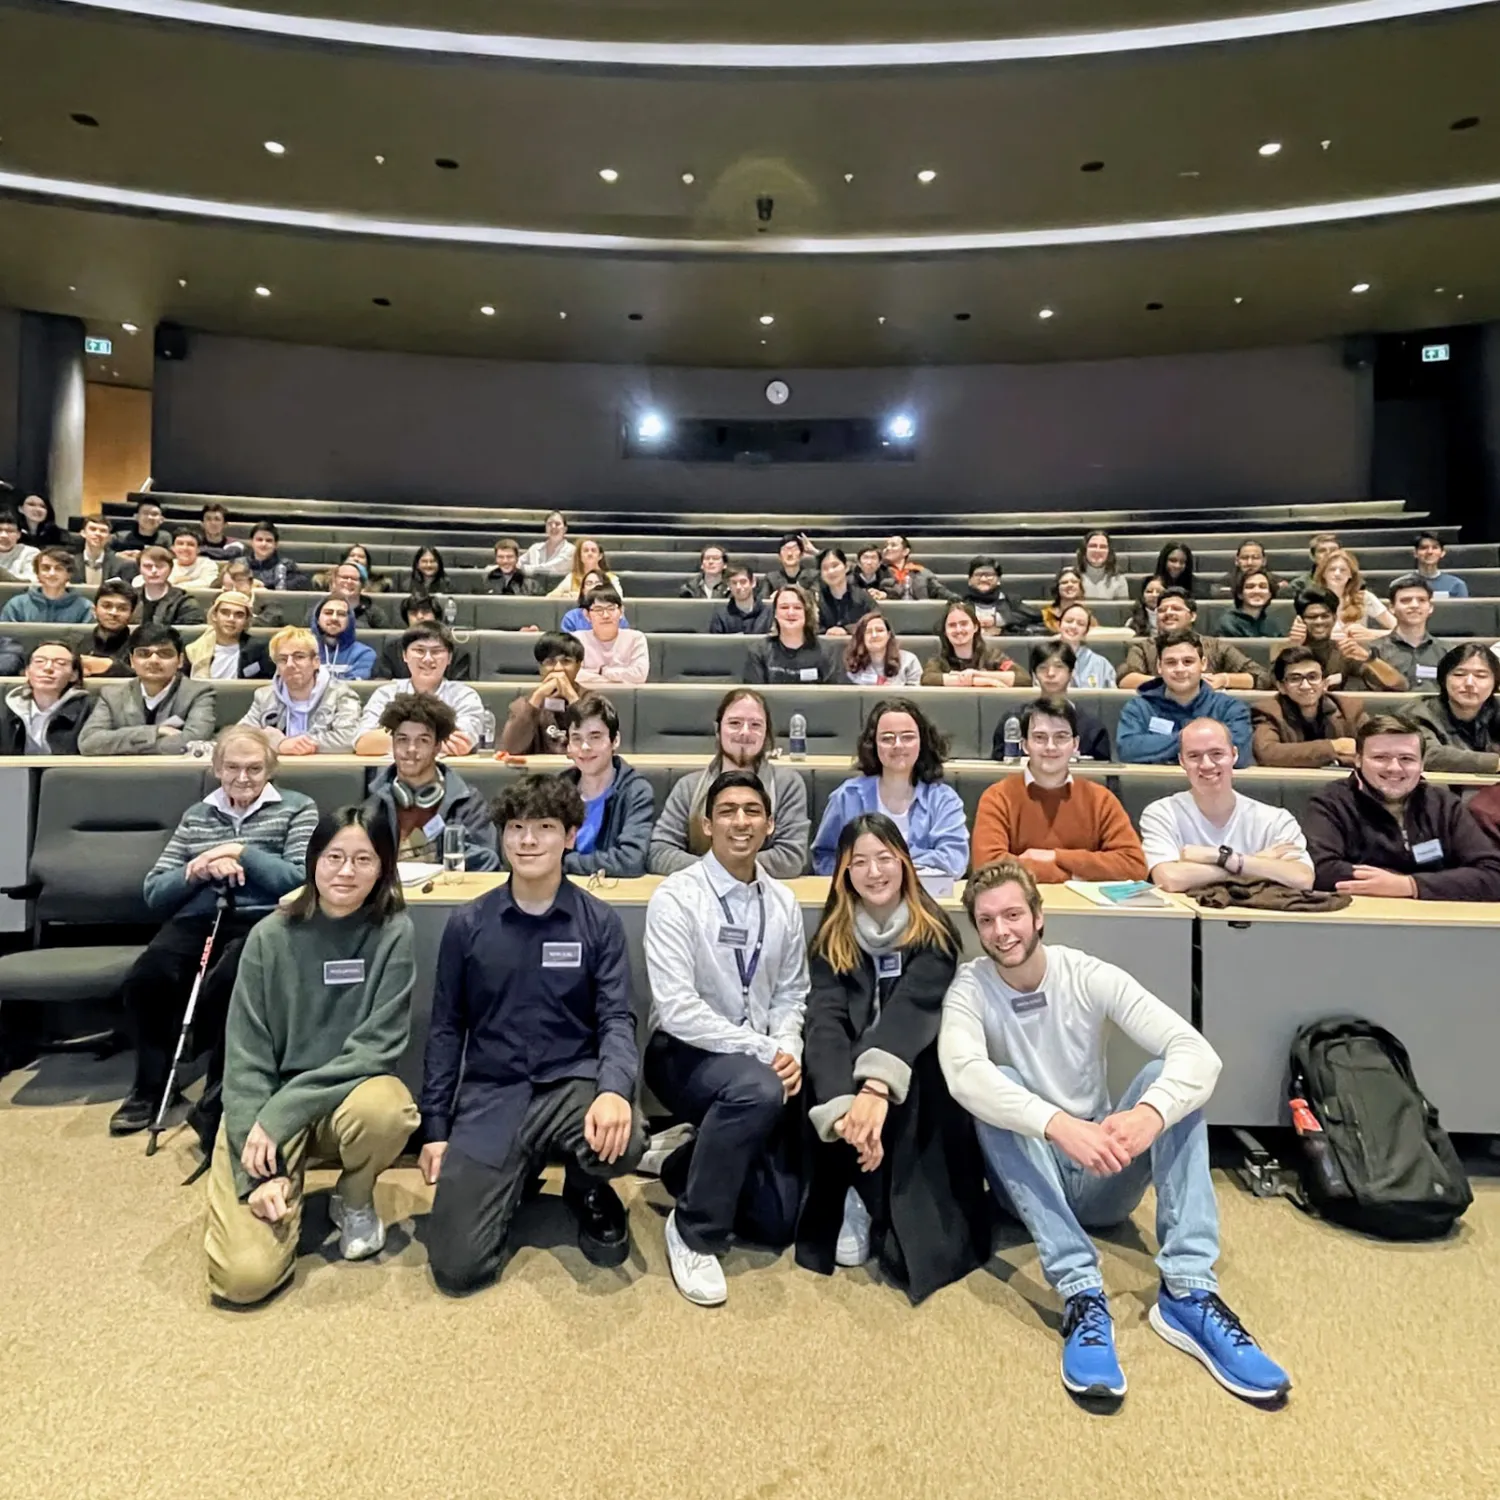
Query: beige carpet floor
pixel 120 1380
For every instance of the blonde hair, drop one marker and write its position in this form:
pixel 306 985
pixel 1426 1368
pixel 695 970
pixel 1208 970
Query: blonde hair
pixel 602 566
pixel 294 635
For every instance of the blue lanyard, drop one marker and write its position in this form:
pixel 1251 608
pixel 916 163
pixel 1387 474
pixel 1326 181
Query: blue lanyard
pixel 747 970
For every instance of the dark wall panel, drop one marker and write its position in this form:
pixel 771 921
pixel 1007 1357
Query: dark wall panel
pixel 1272 425
pixel 10 390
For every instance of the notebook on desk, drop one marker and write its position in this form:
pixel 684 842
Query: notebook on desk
pixel 1136 894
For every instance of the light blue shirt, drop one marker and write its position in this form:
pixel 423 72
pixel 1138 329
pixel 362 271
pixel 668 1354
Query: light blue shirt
pixel 938 837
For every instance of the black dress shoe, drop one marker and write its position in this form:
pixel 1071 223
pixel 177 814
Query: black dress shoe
pixel 134 1114
pixel 603 1226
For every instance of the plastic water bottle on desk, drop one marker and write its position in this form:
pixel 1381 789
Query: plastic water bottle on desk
pixel 1012 737
pixel 454 853
pixel 486 730
pixel 797 735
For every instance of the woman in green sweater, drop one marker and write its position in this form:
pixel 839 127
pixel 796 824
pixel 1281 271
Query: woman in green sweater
pixel 320 1017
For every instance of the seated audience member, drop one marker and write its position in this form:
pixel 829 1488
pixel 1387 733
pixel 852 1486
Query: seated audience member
pixel 1251 616
pixel 744 612
pixel 1347 663
pixel 840 603
pixel 745 739
pixel 726 956
pixel 160 713
pixel 588 558
pixel 147 531
pixel 508 578
pixel 709 581
pixel 992 606
pixel 612 655
pixel 226 651
pixel 39 526
pixel 1320 545
pixel 964 658
pixel 215 540
pixel 1304 724
pixel 900 758
pixel 50 600
pixel 1388 831
pixel 1227 667
pixel 44 714
pixel 12 657
pixel 428 652
pixel 1152 721
pixel 370 580
pixel 266 564
pixel 320 1017
pixel 1052 667
pixel 16 558
pixel 871 574
pixel 535 723
pixel 1211 833
pixel 1361 616
pixel 1174 566
pixel 1428 551
pixel 577 618
pixel 1060 826
pixel 190 569
pixel 239 577
pixel 346 581
pixel 246 835
pixel 553 555
pixel 417 799
pixel 1096 563
pixel 909 578
pixel 160 603
pixel 106 649
pixel 96 563
pixel 304 709
pixel 619 805
pixel 1460 723
pixel 346 657
pixel 793 568
pixel 1142 621
pixel 418 609
pixel 790 651
pixel 1249 557
pixel 1022 1046
pixel 874 657
pixel 1067 588
pixel 1409 649
pixel 532 1051
pixel 1090 670
pixel 894 1175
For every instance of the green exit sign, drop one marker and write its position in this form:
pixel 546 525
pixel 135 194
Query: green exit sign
pixel 1433 354
pixel 98 346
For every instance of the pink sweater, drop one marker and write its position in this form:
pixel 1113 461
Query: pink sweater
pixel 623 660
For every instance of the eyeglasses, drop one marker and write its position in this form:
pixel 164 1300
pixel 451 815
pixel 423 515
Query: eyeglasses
pixel 604 609
pixel 294 659
pixel 1303 679
pixel 588 741
pixel 427 653
pixel 1059 741
pixel 52 663
pixel 881 864
pixel 336 859
pixel 155 653
pixel 904 741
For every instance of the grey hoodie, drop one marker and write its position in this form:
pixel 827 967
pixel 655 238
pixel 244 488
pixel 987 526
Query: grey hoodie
pixel 330 715
pixel 785 854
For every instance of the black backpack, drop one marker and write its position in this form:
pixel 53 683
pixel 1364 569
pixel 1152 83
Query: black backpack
pixel 1381 1162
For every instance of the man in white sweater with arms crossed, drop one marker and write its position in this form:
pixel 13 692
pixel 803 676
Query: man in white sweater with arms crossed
pixel 1022 1049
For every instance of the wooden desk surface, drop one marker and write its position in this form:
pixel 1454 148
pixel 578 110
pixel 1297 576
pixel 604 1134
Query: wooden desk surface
pixel 1371 911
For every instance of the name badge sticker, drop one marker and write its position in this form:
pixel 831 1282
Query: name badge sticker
pixel 1029 1005
pixel 1426 674
pixel 1428 852
pixel 887 965
pixel 555 705
pixel 1441 594
pixel 252 669
pixel 434 826
pixel 344 971
pixel 733 937
pixel 562 955
pixel 1159 725
pixel 808 674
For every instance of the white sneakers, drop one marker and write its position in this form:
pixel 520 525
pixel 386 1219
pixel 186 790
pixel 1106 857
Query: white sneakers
pixel 700 1278
pixel 853 1248
pixel 661 1146
pixel 361 1234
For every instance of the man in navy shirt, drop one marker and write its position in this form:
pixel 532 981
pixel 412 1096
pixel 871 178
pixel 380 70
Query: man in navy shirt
pixel 531 1051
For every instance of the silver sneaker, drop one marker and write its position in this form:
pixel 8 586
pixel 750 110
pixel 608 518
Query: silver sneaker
pixel 853 1248
pixel 361 1234
pixel 700 1278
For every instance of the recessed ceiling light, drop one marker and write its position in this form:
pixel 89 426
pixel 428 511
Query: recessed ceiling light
pixel 1092 166
pixel 562 314
pixel 1359 287
pixel 379 161
pixel 487 310
pixel 72 288
pixel 609 174
pixel 275 148
pixel 1190 173
pixel 1440 290
pixel 848 176
pixel 926 175
pixel 1270 148
pixel 1467 122
pixel 445 163
pixel 182 281
pixel 381 301
pixel 1046 312
pixel 881 319
pixel 1325 144
pixel 767 319
pixel 1460 297
pixel 263 291
pixel 762 341
pixel 688 178
pixel 1238 300
pixel 89 122
pixel 130 327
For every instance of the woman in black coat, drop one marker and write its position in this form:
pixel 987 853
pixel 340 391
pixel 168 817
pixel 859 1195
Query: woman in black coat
pixel 893 1171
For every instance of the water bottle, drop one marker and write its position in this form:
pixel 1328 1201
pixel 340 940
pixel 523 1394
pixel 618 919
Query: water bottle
pixel 1322 1164
pixel 486 730
pixel 1012 736
pixel 450 610
pixel 454 853
pixel 798 738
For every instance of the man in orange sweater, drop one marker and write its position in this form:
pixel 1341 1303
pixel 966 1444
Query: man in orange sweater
pixel 1061 828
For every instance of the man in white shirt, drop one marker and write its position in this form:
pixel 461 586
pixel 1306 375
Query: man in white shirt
pixel 553 556
pixel 1210 833
pixel 611 655
pixel 726 955
pixel 427 650
pixel 1022 1047
pixel 16 558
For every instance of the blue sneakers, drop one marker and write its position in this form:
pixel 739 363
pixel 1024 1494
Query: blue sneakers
pixel 1089 1366
pixel 1201 1324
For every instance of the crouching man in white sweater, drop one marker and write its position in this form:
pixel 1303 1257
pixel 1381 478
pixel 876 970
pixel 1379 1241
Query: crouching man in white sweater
pixel 1022 1049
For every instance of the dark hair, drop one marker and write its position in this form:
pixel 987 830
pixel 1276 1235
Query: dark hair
pixel 1044 651
pixel 431 603
pixel 1291 657
pixel 1385 724
pixel 1186 576
pixel 153 634
pixel 1407 581
pixel 157 554
pixel 192 532
pixel 427 630
pixel 114 588
pixel 212 508
pixel 1455 656
pixel 1111 566
pixel 934 743
pixel 538 796
pixel 1315 596
pixel 593 706
pixel 1427 536
pixel 733 570
pixel 978 562
pixel 420 583
pixel 984 653
pixel 1240 580
pixel 266 526
pixel 905 540
pixel 12 517
pixel 315 618
pixel 809 609
pixel 57 555
pixel 426 709
pixel 1062 573
pixel 718 547
pixel 828 552
pixel 1183 637
pixel 142 501
pixel 733 696
pixel 554 643
pixel 788 536
pixel 606 595
pixel 857 652
pixel 727 781
pixel 385 898
pixel 1176 591
pixel 601 580
pixel 859 552
pixel 506 541
pixel 72 651
pixel 1049 708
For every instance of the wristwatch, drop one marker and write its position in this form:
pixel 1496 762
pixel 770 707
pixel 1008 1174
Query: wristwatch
pixel 1225 855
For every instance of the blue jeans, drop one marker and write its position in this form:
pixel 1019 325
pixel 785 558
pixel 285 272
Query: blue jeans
pixel 1055 1199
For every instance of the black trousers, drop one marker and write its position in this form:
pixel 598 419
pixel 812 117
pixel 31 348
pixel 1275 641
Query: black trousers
pixel 475 1203
pixel 156 992
pixel 742 1175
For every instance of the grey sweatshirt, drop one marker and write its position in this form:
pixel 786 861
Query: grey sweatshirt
pixel 785 854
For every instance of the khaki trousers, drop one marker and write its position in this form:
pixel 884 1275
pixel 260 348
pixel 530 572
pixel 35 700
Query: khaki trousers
pixel 248 1259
